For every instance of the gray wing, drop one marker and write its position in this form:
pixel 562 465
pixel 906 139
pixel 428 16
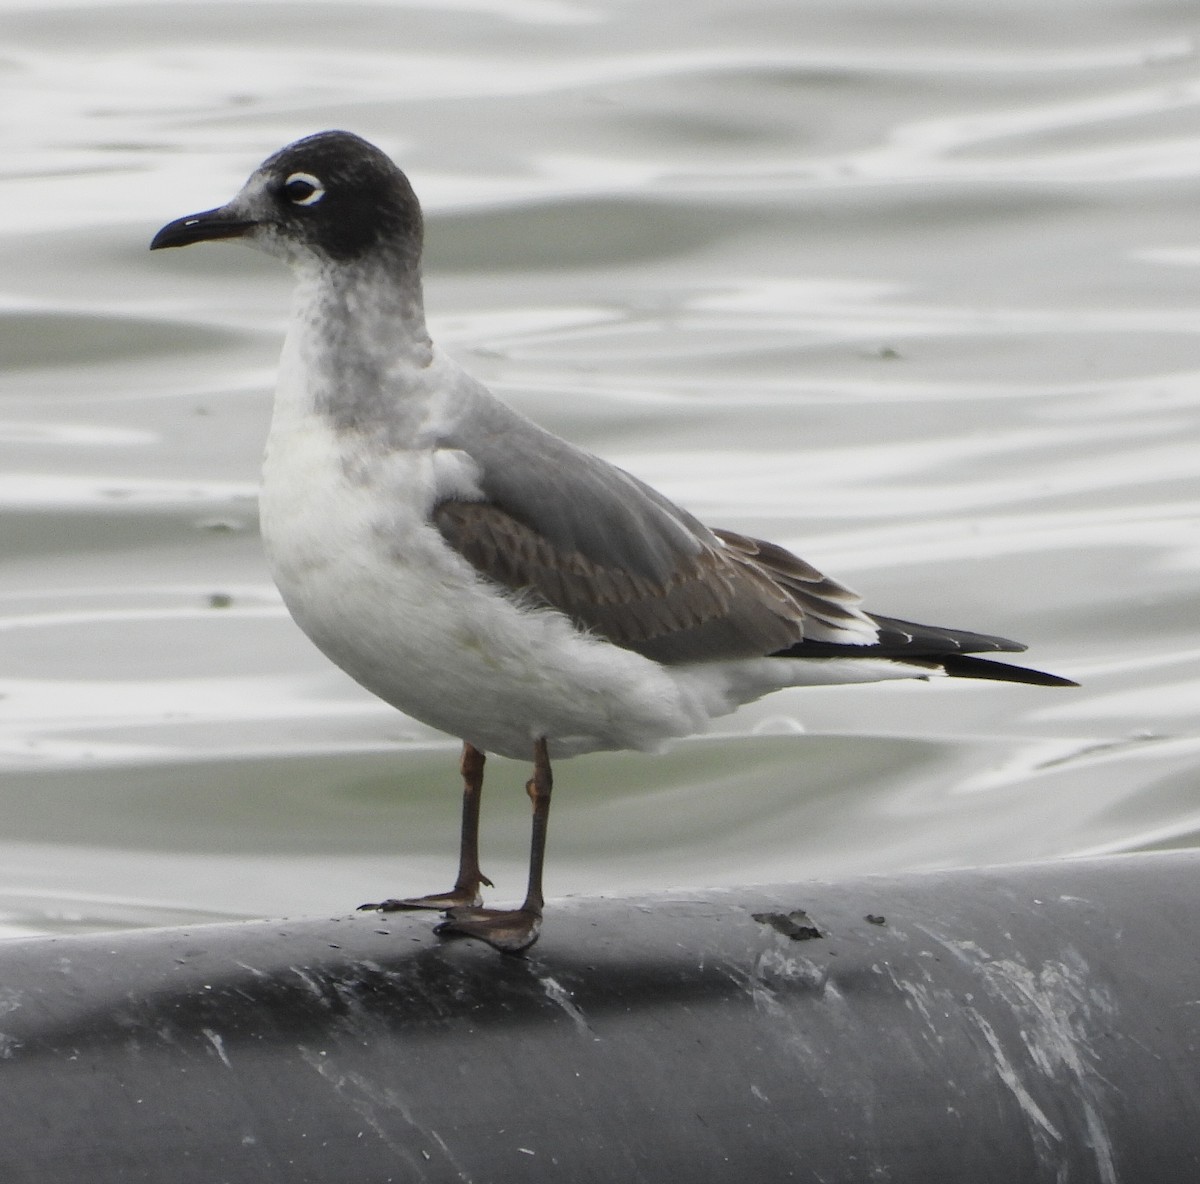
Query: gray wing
pixel 584 537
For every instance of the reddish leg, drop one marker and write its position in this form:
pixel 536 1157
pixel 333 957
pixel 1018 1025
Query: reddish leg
pixel 465 892
pixel 511 931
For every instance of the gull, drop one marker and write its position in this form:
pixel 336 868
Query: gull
pixel 485 576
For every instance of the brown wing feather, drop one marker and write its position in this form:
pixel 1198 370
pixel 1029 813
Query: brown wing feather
pixel 829 608
pixel 745 599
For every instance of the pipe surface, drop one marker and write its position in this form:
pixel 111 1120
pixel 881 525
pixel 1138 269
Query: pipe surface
pixel 1028 1023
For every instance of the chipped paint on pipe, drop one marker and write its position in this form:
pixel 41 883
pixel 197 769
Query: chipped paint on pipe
pixel 1032 1023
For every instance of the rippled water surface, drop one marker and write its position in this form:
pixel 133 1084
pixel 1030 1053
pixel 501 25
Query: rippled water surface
pixel 911 288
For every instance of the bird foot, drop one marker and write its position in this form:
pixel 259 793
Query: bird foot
pixel 509 931
pixel 456 898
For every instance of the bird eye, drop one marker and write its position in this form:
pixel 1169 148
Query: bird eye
pixel 303 189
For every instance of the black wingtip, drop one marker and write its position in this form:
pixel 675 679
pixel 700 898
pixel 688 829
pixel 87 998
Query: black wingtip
pixel 968 666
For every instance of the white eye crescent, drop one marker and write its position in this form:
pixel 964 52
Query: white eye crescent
pixel 303 189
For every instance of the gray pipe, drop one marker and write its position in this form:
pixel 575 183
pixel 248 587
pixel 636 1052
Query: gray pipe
pixel 1021 1024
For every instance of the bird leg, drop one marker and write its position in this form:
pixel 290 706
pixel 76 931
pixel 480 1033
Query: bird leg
pixel 511 931
pixel 465 892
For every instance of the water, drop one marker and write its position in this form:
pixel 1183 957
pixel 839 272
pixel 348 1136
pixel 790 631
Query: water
pixel 911 289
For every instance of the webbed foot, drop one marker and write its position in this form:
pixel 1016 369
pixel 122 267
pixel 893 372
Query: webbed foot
pixel 508 930
pixel 456 898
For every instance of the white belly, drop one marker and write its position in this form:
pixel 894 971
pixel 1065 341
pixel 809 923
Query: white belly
pixel 379 592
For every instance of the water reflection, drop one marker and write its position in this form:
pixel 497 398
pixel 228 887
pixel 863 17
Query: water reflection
pixel 911 293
